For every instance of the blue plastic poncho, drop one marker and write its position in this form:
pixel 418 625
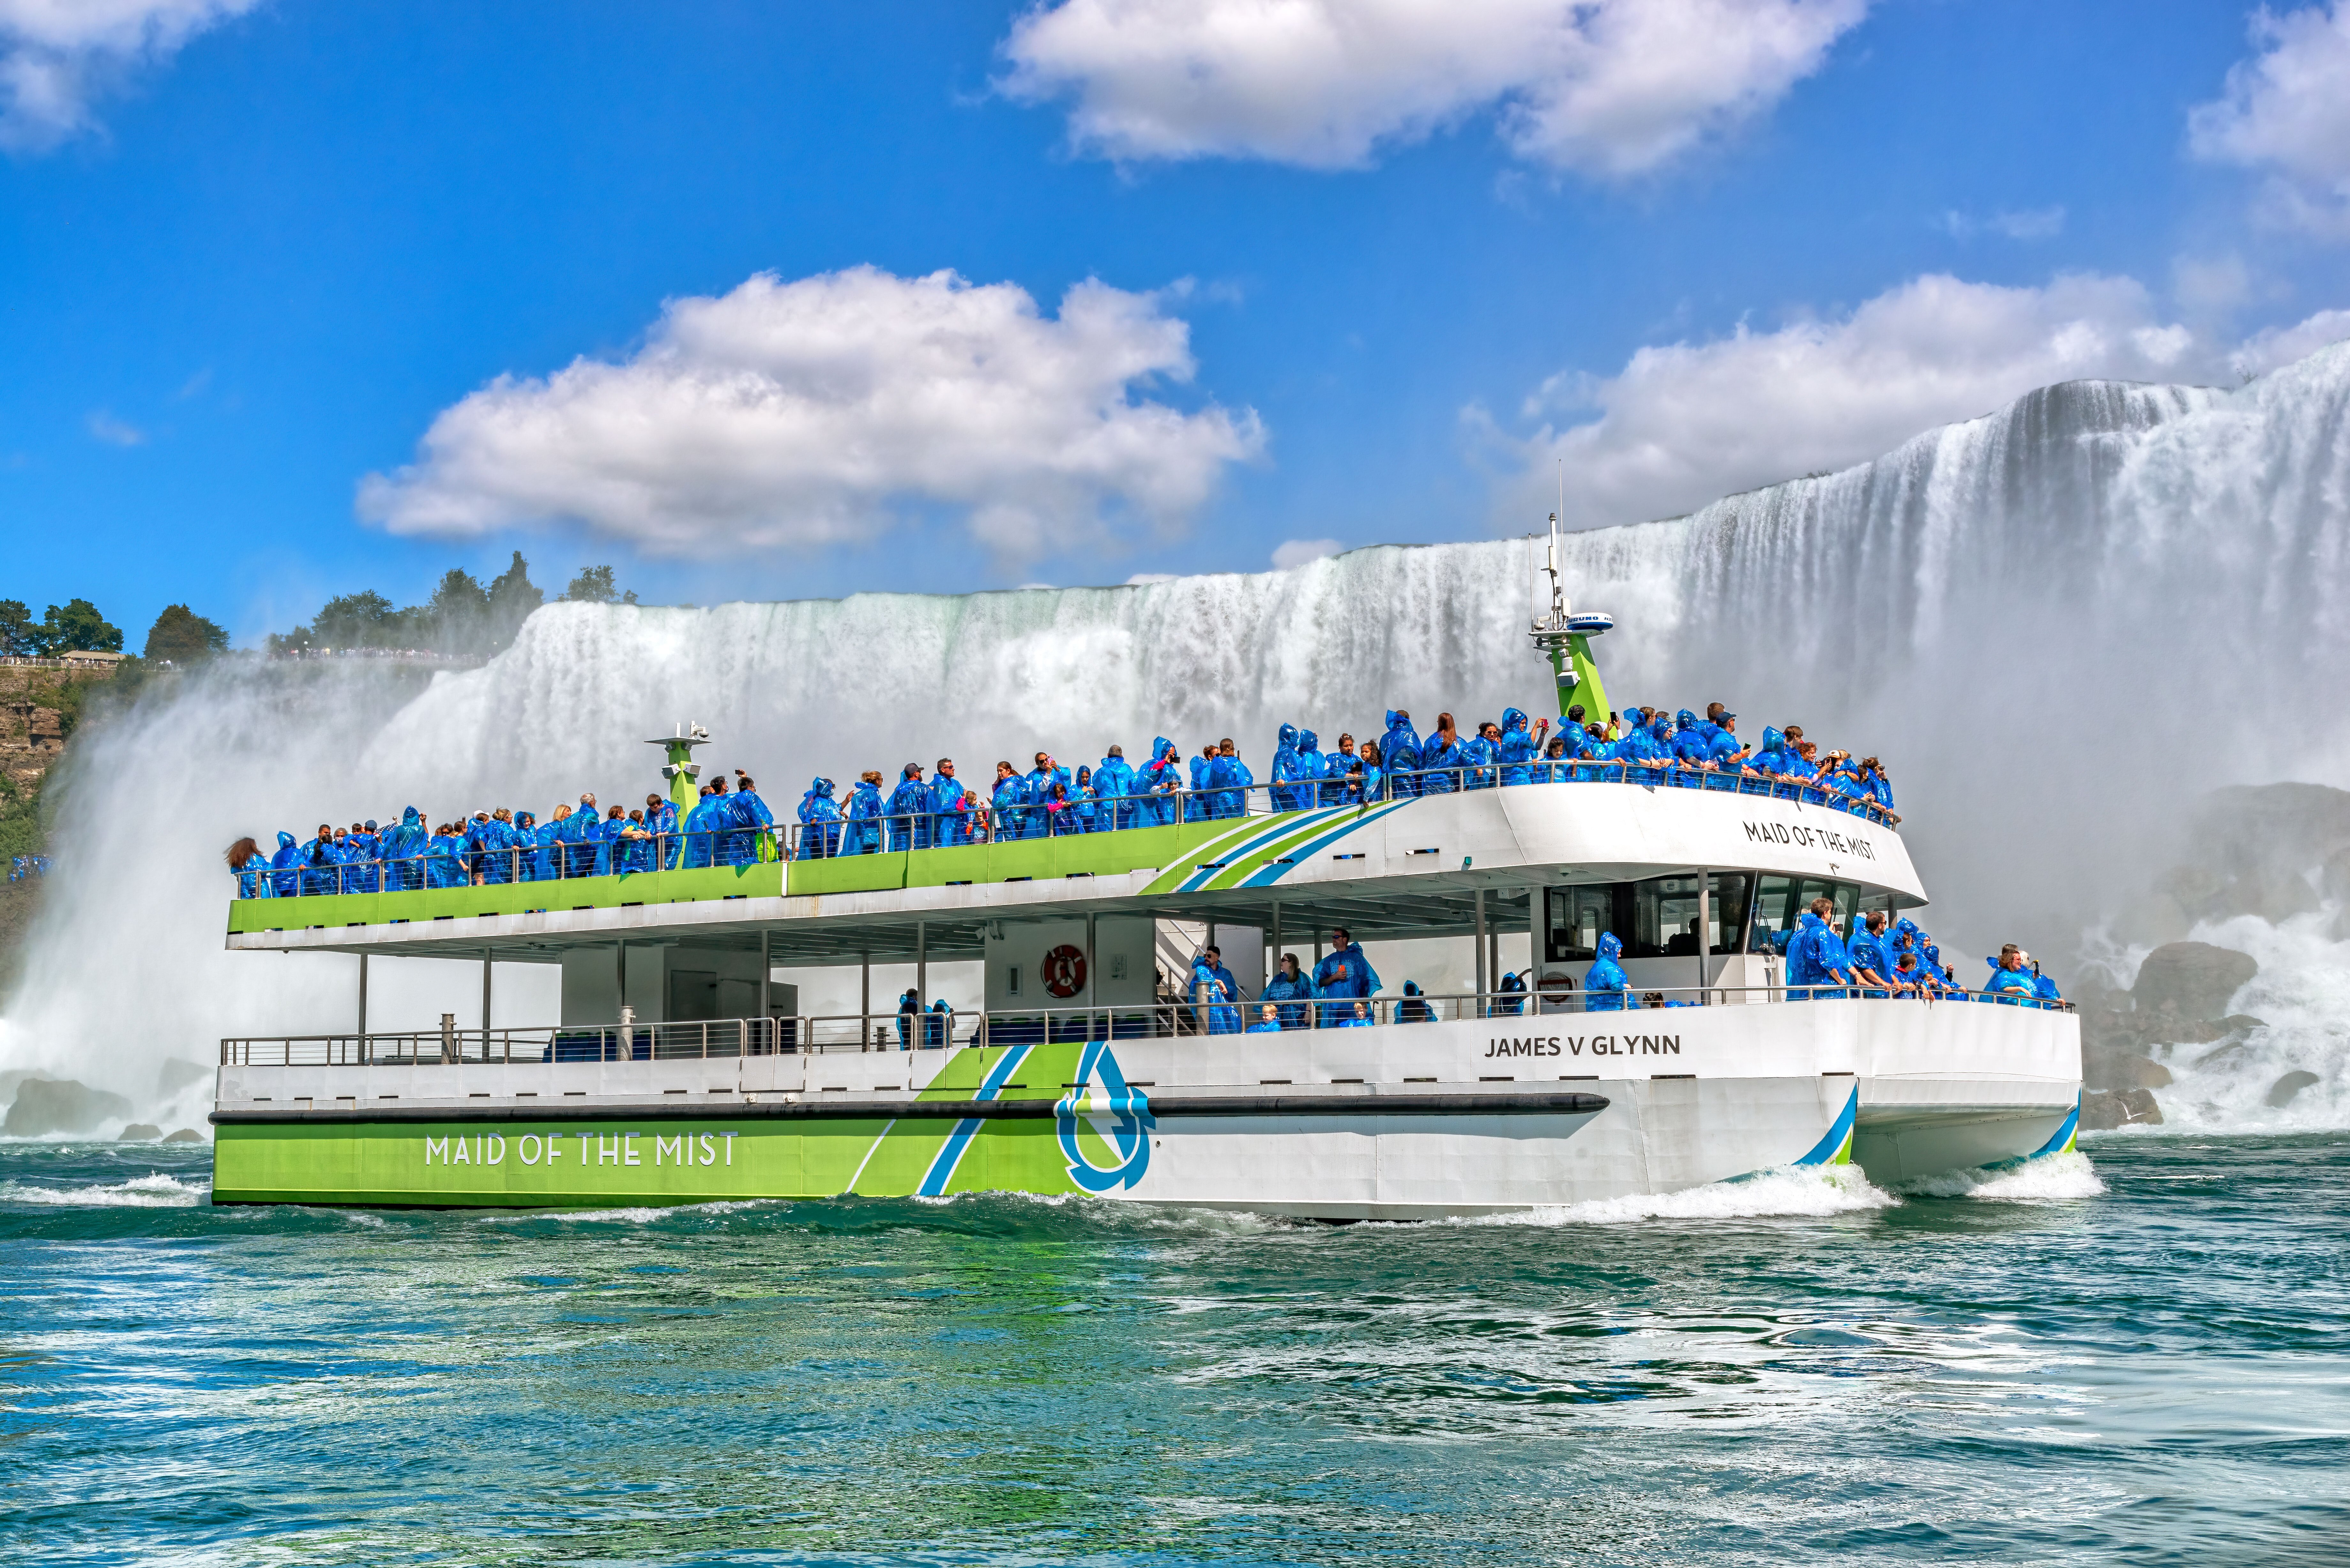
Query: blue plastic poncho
pixel 1292 992
pixel 1313 767
pixel 909 811
pixel 1400 753
pixel 1159 779
pixel 950 813
pixel 819 816
pixel 404 848
pixel 862 816
pixel 1113 782
pixel 1213 986
pixel 1230 778
pixel 1518 748
pixel 1344 974
pixel 1286 796
pixel 1442 765
pixel 1604 984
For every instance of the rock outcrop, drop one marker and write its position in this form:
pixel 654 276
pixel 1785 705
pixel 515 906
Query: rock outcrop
pixel 2103 1110
pixel 45 1106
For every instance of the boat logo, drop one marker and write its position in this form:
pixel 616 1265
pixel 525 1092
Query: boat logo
pixel 1118 1114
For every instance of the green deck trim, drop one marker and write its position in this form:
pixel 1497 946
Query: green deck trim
pixel 1174 846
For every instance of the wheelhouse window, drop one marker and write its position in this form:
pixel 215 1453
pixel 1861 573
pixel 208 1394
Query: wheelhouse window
pixel 1780 903
pixel 1575 916
pixel 1654 919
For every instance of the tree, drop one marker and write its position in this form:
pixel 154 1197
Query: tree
pixel 363 619
pixel 593 585
pixel 183 637
pixel 513 598
pixel 18 634
pixel 459 612
pixel 77 628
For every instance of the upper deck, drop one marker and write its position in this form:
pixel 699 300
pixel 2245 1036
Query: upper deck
pixel 1409 868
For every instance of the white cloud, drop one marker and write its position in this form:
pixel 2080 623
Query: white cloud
pixel 1685 423
pixel 1144 579
pixel 55 55
pixel 1607 87
pixel 2035 223
pixel 794 414
pixel 105 427
pixel 2287 111
pixel 1298 552
pixel 2275 346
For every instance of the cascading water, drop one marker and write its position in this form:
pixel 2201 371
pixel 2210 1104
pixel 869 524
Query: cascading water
pixel 2057 624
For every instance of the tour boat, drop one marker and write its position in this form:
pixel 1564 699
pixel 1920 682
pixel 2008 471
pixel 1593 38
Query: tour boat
pixel 682 1071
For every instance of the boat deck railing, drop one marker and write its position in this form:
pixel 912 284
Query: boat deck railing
pixel 593 854
pixel 726 1038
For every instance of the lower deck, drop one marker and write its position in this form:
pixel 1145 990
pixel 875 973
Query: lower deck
pixel 1384 1121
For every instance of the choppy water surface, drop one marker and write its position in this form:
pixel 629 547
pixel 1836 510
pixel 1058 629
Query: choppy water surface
pixel 2144 1363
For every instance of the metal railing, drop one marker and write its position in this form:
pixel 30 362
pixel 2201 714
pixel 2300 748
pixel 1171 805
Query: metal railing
pixel 728 1038
pixel 601 850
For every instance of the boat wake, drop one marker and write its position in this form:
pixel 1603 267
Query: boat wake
pixel 2051 1177
pixel 154 1191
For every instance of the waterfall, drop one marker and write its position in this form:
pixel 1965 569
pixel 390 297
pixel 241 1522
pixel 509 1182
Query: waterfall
pixel 2055 624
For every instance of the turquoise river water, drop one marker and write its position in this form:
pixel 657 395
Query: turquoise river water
pixel 2141 1356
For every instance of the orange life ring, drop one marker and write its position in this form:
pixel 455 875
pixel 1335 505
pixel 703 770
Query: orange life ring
pixel 1064 970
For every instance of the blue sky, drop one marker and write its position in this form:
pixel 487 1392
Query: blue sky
pixel 251 254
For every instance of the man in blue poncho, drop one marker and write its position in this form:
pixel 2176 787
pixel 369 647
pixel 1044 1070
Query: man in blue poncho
pixel 908 810
pixel 1214 990
pixel 404 848
pixel 1519 745
pixel 1313 767
pixel 1345 975
pixel 1286 796
pixel 1229 778
pixel 819 816
pixel 1197 806
pixel 1872 959
pixel 1604 985
pixel 1113 782
pixel 752 819
pixel 949 812
pixel 1817 962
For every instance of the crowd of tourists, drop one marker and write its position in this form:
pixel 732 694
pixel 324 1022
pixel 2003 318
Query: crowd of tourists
pixel 729 825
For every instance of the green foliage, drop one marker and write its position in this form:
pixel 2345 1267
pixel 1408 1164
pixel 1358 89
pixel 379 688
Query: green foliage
pixel 74 628
pixel 464 618
pixel 183 637
pixel 20 820
pixel 19 633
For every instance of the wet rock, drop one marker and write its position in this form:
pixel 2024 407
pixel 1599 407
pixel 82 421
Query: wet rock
pixel 141 1132
pixel 2103 1111
pixel 45 1106
pixel 2147 1074
pixel 190 1135
pixel 2281 1092
pixel 2190 981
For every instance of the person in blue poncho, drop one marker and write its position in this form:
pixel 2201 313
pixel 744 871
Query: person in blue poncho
pixel 444 859
pixel 365 851
pixel 908 810
pixel 1692 741
pixel 861 817
pixel 949 812
pixel 1400 753
pixel 548 850
pixel 1344 975
pixel 633 849
pixel 1817 962
pixel 1007 803
pixel 403 847
pixel 2041 986
pixel 321 870
pixel 1158 781
pixel 1113 782
pixel 1283 775
pixel 579 835
pixel 1872 959
pixel 751 819
pixel 1214 990
pixel 1605 987
pixel 1039 782
pixel 1512 1002
pixel 1414 1008
pixel 1519 745
pixel 1197 806
pixel 1358 1017
pixel 2010 984
pixel 1374 785
pixel 819 816
pixel 1230 778
pixel 1313 767
pixel 489 840
pixel 1484 749
pixel 1268 1021
pixel 1444 759
pixel 1291 989
pixel 1085 806
pixel 249 865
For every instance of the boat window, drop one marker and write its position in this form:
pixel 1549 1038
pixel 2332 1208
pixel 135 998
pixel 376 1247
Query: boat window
pixel 1774 914
pixel 1576 916
pixel 1664 918
pixel 1727 917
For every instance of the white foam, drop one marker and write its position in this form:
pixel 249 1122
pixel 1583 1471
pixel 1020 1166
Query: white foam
pixel 1790 1192
pixel 2049 1178
pixel 2303 993
pixel 154 1192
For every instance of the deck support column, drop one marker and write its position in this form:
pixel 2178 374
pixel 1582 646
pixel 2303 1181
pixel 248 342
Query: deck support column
pixel 865 1001
pixel 1272 957
pixel 1481 975
pixel 1704 931
pixel 766 973
pixel 922 963
pixel 363 980
pixel 485 1004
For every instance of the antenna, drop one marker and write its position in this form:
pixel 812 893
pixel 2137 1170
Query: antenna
pixel 1561 633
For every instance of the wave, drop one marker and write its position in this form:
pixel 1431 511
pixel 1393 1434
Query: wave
pixel 152 1191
